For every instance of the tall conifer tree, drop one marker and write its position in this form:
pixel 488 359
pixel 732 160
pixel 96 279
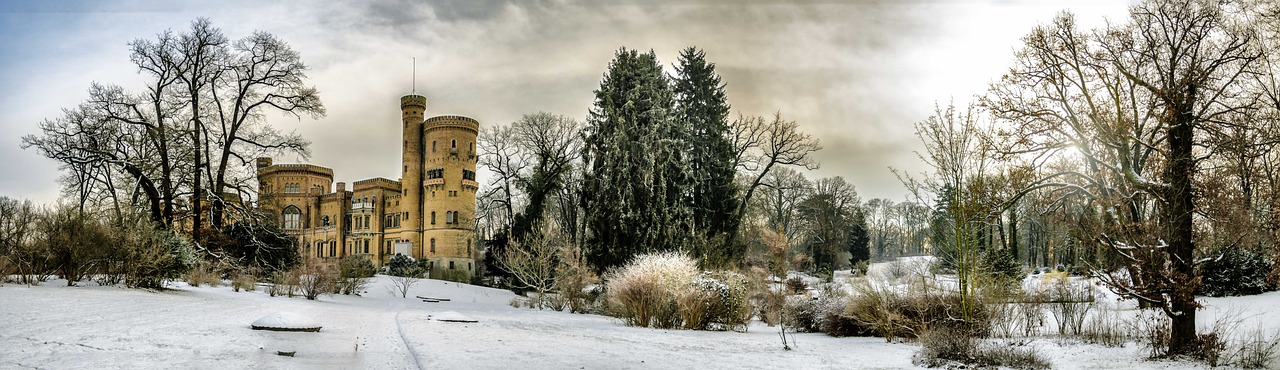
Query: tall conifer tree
pixel 634 186
pixel 703 110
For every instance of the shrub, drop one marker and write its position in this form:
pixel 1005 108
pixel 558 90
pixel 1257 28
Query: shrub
pixel 768 305
pixel 245 281
pixel 945 347
pixel 716 301
pixel 1233 272
pixel 1256 351
pixel 644 291
pixel 202 274
pixel 822 311
pixel 258 245
pixel 797 285
pixel 313 279
pixel 1069 303
pixel 891 314
pixel 1105 328
pixel 576 282
pixel 155 256
pixel 353 274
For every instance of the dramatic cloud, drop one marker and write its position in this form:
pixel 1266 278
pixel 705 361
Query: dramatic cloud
pixel 854 74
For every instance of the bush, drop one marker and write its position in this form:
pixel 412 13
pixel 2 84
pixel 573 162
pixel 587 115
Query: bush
pixel 245 281
pixel 257 245
pixel 155 256
pixel 822 312
pixel 945 347
pixel 797 285
pixel 201 275
pixel 1233 272
pixel 891 314
pixel 576 282
pixel 313 279
pixel 716 301
pixel 768 305
pixel 1105 328
pixel 644 292
pixel 1069 303
pixel 353 274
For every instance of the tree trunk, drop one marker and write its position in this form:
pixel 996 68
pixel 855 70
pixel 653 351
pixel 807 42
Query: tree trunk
pixel 1178 230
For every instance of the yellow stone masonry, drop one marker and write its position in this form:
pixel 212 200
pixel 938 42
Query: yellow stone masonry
pixel 428 214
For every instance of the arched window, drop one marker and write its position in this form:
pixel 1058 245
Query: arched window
pixel 433 146
pixel 453 144
pixel 433 217
pixel 468 247
pixel 473 147
pixel 433 245
pixel 325 220
pixel 291 218
pixel 448 217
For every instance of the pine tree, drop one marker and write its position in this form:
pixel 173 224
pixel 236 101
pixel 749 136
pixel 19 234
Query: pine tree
pixel 634 186
pixel 703 110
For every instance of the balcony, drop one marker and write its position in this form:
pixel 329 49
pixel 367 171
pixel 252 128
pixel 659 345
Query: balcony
pixel 429 182
pixel 362 206
pixel 470 184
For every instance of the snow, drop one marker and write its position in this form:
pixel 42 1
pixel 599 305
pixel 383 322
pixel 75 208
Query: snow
pixel 58 327
pixel 452 316
pixel 287 321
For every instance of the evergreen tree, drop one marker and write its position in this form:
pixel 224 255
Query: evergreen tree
pixel 858 241
pixel 702 109
pixel 634 186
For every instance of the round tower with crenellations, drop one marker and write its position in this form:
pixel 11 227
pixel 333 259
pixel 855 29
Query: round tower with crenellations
pixel 413 108
pixel 449 195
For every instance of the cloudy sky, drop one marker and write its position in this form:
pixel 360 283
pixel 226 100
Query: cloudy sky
pixel 856 74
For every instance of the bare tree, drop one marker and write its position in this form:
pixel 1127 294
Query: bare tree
pixel 532 262
pixel 762 145
pixel 1127 98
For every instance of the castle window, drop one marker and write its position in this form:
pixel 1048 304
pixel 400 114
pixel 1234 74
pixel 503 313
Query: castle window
pixel 325 220
pixel 433 217
pixel 433 146
pixel 435 173
pixel 453 144
pixel 468 247
pixel 333 249
pixel 468 175
pixel 433 245
pixel 473 147
pixel 450 265
pixel 448 217
pixel 292 188
pixel 292 217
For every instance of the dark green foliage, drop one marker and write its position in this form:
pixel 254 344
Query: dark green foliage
pixel 405 266
pixel 636 174
pixel 858 241
pixel 355 267
pixel 1002 266
pixel 259 246
pixel 702 108
pixel 154 256
pixel 1234 271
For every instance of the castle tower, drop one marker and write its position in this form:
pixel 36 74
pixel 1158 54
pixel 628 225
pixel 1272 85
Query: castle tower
pixel 449 195
pixel 412 109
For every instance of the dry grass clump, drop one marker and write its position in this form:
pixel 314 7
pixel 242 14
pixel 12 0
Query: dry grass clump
pixel 644 293
pixel 957 349
pixel 202 274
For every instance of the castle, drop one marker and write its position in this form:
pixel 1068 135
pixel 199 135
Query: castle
pixel 428 214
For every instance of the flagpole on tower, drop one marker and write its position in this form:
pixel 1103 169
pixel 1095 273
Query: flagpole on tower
pixel 414 84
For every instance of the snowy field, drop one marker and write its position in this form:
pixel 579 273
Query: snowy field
pixel 58 327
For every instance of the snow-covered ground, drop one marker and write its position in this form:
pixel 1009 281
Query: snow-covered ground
pixel 58 327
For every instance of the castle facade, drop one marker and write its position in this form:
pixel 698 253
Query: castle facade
pixel 429 213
